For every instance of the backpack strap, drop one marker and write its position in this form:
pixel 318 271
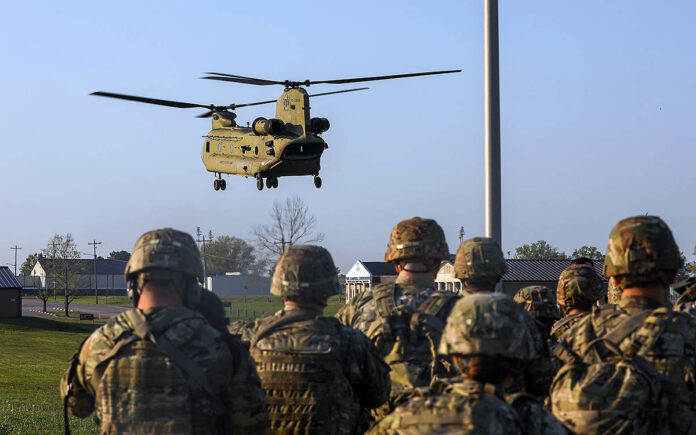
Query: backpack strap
pixel 436 302
pixel 384 307
pixel 267 329
pixel 143 331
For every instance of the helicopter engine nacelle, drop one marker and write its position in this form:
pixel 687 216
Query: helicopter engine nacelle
pixel 262 126
pixel 319 125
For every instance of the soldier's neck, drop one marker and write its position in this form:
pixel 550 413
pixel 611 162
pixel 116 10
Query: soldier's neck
pixel 575 311
pixel 417 270
pixel 654 291
pixel 155 295
pixel 304 305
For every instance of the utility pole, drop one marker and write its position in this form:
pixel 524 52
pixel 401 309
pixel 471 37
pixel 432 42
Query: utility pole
pixel 53 271
pixel 16 248
pixel 492 122
pixel 96 294
pixel 461 235
pixel 201 239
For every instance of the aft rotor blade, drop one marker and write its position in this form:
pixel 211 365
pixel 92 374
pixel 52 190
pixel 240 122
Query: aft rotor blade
pixel 338 92
pixel 241 79
pixel 207 114
pixel 169 103
pixel 395 76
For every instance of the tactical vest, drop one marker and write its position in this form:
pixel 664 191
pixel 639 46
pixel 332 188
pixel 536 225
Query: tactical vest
pixel 299 360
pixel 146 385
pixel 408 337
pixel 608 385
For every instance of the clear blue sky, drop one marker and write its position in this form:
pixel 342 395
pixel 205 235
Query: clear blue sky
pixel 597 118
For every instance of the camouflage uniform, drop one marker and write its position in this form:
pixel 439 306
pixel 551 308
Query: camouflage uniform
pixel 613 343
pixel 164 369
pixel 405 319
pixel 540 302
pixel 613 292
pixel 318 376
pixel 579 287
pixel 480 265
pixel 481 324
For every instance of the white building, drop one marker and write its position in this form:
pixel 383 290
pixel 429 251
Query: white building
pixel 363 274
pixel 239 284
pixel 109 274
pixel 445 279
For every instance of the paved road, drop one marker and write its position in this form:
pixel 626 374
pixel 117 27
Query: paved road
pixel 33 307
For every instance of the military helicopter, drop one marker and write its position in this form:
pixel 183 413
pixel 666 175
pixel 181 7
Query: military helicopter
pixel 290 144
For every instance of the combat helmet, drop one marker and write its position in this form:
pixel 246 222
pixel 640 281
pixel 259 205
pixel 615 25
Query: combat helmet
pixel 417 239
pixel 579 286
pixel 539 301
pixel 166 254
pixel 479 259
pixel 305 273
pixel 488 324
pixel 641 249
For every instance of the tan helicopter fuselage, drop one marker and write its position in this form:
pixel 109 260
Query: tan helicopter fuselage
pixel 253 151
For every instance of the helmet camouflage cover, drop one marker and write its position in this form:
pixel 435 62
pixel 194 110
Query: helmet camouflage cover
pixel 163 254
pixel 479 259
pixel 641 249
pixel 488 324
pixel 305 273
pixel 417 238
pixel 539 301
pixel 579 285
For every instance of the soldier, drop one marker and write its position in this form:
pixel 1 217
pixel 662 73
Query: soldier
pixel 318 375
pixel 161 367
pixel 579 288
pixel 540 302
pixel 405 319
pixel 480 265
pixel 630 367
pixel 489 349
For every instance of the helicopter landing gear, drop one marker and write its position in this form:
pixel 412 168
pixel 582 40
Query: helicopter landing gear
pixel 275 182
pixel 219 183
pixel 271 182
pixel 259 183
pixel 317 181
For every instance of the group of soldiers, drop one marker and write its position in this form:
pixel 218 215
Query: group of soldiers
pixel 401 357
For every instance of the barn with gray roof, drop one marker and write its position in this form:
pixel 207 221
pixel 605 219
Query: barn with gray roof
pixel 10 294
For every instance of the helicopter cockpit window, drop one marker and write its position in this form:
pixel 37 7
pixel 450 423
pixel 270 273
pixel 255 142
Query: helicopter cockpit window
pixel 219 147
pixel 207 147
pixel 256 151
pixel 231 148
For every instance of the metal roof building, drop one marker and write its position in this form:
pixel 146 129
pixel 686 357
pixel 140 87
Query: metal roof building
pixel 363 274
pixel 10 294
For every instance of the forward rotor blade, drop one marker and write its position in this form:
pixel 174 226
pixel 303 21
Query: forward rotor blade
pixel 169 103
pixel 245 78
pixel 395 76
pixel 207 114
pixel 241 79
pixel 338 92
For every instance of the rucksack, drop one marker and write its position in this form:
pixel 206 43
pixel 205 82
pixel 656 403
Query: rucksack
pixel 608 386
pixel 408 337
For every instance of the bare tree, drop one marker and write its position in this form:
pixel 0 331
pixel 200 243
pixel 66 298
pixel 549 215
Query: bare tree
pixel 66 267
pixel 291 224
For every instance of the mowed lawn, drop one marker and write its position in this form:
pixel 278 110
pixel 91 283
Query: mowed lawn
pixel 34 353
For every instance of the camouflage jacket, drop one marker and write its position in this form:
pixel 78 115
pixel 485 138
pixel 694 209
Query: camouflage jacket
pixel 539 372
pixel 386 314
pixel 137 387
pixel 673 355
pixel 318 375
pixel 534 417
pixel 561 327
pixel 455 405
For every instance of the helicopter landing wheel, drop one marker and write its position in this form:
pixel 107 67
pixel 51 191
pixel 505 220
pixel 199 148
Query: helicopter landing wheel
pixel 259 183
pixel 269 182
pixel 216 184
pixel 275 182
pixel 223 184
pixel 317 181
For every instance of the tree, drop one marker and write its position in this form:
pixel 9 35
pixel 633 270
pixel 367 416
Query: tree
pixel 64 266
pixel 686 269
pixel 291 224
pixel 232 254
pixel 29 263
pixel 539 250
pixel 119 255
pixel 590 252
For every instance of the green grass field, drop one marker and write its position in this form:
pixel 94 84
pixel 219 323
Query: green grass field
pixel 35 353
pixel 251 307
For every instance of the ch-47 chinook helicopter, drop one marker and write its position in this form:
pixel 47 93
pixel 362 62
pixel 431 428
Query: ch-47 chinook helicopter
pixel 288 145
